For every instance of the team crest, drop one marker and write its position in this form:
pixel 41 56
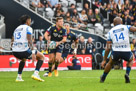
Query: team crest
pixel 69 36
pixel 61 31
pixel 55 30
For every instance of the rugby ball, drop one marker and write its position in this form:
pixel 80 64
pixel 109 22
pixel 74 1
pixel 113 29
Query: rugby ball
pixel 52 45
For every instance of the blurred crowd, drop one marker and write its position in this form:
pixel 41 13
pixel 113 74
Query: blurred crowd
pixel 91 12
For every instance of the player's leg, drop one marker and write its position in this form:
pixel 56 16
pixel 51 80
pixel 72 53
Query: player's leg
pixel 129 64
pixel 40 57
pixel 64 56
pixel 58 58
pixel 50 63
pixel 20 69
pixel 107 70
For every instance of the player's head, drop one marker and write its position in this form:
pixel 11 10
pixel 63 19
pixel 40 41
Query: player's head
pixel 59 22
pixel 25 19
pixel 117 21
pixel 67 26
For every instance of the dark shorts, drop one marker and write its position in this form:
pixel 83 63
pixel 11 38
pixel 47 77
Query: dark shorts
pixel 58 49
pixel 64 54
pixel 21 55
pixel 121 55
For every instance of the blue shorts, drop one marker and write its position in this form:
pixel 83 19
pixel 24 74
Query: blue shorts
pixel 21 55
pixel 65 54
pixel 115 55
pixel 58 49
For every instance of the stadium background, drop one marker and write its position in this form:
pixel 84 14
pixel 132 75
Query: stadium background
pixel 11 10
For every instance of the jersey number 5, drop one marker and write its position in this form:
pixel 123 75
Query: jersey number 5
pixel 121 36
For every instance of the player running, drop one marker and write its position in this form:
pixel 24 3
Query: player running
pixel 58 35
pixel 23 49
pixel 71 37
pixel 118 40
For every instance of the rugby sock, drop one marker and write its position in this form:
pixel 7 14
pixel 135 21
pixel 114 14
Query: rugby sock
pixel 105 74
pixel 50 66
pixel 128 70
pixel 21 66
pixel 38 65
pixel 56 65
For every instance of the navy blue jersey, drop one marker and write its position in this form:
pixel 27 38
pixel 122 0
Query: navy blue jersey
pixel 56 34
pixel 70 38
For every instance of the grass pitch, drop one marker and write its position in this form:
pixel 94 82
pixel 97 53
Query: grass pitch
pixel 69 81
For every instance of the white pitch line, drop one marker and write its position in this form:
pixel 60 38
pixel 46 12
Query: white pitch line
pixel 98 77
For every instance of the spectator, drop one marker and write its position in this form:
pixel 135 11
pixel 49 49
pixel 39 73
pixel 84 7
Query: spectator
pixel 91 17
pixel 86 8
pixel 99 17
pixel 60 10
pixel 52 3
pixel 127 4
pixel 119 4
pixel 90 48
pixel 108 9
pixel 83 17
pixel 40 44
pixel 116 1
pixel 133 47
pixel 115 7
pixel 115 13
pixel 67 15
pixel 75 16
pixel 134 23
pixel 75 64
pixel 127 18
pixel 37 3
pixel 71 10
pixel 81 46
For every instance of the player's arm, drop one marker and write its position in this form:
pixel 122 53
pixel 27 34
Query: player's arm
pixel 12 40
pixel 133 29
pixel 107 51
pixel 62 41
pixel 46 35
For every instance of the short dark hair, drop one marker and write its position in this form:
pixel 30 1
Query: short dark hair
pixel 24 18
pixel 58 18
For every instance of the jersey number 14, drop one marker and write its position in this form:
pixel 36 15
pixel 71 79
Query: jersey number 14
pixel 121 36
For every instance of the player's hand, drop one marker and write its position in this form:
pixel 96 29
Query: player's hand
pixel 103 63
pixel 57 43
pixel 33 57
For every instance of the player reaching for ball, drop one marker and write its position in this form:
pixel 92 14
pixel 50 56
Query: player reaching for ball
pixel 58 35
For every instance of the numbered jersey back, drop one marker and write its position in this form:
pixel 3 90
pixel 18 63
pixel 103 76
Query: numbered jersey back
pixel 119 35
pixel 20 43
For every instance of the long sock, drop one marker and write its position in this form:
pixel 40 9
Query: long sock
pixel 21 66
pixel 56 65
pixel 50 66
pixel 38 65
pixel 128 70
pixel 105 74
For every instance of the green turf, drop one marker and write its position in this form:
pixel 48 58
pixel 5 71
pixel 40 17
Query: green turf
pixel 69 81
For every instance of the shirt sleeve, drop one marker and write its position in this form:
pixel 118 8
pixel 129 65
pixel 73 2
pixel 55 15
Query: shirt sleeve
pixel 49 30
pixel 29 30
pixel 64 33
pixel 129 26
